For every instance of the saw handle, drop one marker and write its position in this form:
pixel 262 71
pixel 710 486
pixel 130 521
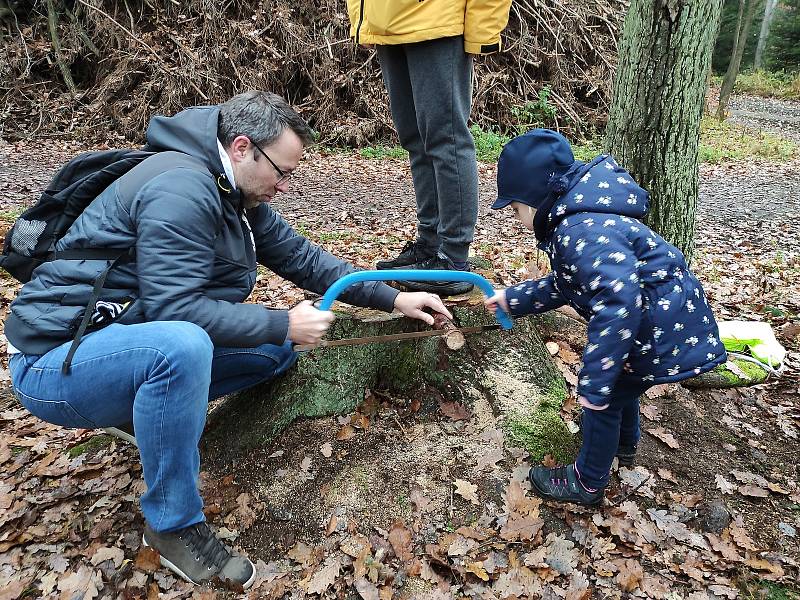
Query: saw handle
pixel 412 275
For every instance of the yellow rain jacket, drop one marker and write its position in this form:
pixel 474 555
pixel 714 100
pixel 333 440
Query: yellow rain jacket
pixel 388 22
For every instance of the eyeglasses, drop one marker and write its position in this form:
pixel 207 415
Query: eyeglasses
pixel 283 175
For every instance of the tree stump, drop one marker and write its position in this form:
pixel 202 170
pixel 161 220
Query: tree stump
pixel 509 372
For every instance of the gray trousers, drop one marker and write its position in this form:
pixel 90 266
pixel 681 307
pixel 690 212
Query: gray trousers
pixel 430 93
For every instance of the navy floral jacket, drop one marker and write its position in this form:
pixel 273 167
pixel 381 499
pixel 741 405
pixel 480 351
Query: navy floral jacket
pixel 648 315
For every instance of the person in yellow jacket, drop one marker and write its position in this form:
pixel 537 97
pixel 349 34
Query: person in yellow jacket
pixel 425 49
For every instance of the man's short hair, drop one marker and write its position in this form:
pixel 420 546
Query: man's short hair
pixel 262 117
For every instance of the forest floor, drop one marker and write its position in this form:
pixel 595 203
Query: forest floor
pixel 393 502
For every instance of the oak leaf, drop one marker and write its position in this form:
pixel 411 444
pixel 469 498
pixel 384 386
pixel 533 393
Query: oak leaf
pixel 467 490
pixel 324 577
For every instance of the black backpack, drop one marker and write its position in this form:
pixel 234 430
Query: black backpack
pixel 32 239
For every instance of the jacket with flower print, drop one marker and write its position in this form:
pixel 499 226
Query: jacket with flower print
pixel 647 313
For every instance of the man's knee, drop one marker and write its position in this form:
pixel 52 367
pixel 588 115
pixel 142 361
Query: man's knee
pixel 188 343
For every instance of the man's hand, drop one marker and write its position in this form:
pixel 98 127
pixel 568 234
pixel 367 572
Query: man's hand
pixel 412 303
pixel 307 325
pixel 499 299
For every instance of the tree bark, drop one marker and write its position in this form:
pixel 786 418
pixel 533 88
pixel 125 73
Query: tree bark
pixel 659 88
pixel 769 14
pixel 736 57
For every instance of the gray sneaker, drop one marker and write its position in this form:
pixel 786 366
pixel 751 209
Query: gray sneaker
pixel 198 556
pixel 123 432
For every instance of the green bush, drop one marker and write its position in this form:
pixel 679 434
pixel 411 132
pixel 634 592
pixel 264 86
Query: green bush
pixel 771 85
pixel 723 141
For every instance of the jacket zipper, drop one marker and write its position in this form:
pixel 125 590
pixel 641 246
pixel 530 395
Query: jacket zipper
pixel 360 21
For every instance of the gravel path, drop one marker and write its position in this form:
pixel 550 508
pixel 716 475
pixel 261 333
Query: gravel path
pixel 781 117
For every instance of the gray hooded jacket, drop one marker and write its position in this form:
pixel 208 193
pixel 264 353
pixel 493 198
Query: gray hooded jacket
pixel 196 251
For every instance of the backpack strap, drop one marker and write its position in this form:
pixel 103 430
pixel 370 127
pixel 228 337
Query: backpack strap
pixel 87 315
pixel 95 254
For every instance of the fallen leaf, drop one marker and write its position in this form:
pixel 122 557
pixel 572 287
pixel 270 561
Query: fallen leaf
pixel 658 390
pixel 148 559
pixel 421 502
pixel 750 478
pixel 116 555
pixel 651 412
pixel 476 568
pixel 664 436
pixel 561 554
pixel 489 459
pixel 630 574
pixel 723 590
pixel 521 527
pixel 467 490
pixel 84 584
pixel 400 539
pixel 667 474
pixel 345 433
pixel 567 354
pixel 753 491
pixel 454 411
pixel 324 577
pixel 302 554
pixel 332 523
pixel 778 489
pixel 724 485
pixel 366 589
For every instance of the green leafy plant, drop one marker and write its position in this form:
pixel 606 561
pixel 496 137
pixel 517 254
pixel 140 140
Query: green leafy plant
pixel 383 152
pixel 535 114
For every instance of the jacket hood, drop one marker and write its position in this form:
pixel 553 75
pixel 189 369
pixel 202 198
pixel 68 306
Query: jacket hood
pixel 600 186
pixel 192 131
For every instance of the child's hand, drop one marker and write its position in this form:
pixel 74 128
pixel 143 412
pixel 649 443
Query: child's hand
pixel 586 404
pixel 499 299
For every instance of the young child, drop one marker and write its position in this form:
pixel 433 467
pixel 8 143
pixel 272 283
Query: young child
pixel 648 319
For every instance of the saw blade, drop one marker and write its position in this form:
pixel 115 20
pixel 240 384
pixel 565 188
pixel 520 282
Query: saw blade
pixel 395 337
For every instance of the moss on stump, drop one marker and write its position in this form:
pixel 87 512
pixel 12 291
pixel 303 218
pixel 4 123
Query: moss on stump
pixel 733 373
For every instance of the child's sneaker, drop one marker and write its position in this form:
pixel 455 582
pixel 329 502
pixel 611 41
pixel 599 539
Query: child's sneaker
pixel 562 484
pixel 626 456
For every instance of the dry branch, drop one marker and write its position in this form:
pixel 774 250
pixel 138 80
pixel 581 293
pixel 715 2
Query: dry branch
pixel 176 54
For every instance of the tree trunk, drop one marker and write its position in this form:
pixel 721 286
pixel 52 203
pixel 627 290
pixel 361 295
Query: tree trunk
pixel 736 57
pixel 510 373
pixel 659 88
pixel 769 14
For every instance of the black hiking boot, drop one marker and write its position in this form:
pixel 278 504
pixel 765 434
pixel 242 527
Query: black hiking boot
pixel 443 288
pixel 626 456
pixel 123 432
pixel 412 252
pixel 562 485
pixel 197 555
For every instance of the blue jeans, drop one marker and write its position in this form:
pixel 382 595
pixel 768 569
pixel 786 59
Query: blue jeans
pixel 605 430
pixel 158 375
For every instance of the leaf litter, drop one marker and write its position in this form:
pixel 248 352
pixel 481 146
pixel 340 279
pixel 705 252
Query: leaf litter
pixel 70 525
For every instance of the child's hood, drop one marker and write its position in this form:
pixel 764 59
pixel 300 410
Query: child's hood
pixel 600 186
